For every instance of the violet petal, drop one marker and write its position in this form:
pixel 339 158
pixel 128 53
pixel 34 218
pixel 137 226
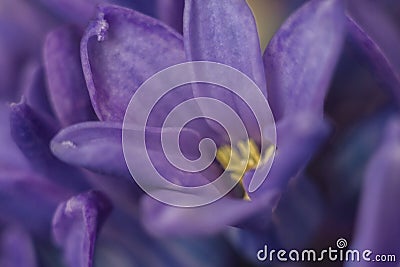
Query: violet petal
pixel 378 37
pixel 97 146
pixel 171 12
pixel 112 52
pixel 301 57
pixel 298 137
pixel 76 224
pixel 34 88
pixel 224 31
pixel 32 133
pixel 66 84
pixel 161 219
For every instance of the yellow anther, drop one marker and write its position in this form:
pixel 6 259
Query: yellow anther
pixel 244 157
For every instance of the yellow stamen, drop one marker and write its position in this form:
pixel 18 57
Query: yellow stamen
pixel 242 158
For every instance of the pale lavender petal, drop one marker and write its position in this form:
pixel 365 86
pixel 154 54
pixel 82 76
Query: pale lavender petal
pixel 66 84
pixel 97 146
pixel 119 52
pixel 76 225
pixel 171 12
pixel 377 36
pixel 377 228
pixel 224 31
pixel 32 133
pixel 302 55
pixel 161 219
pixel 298 138
pixel 16 248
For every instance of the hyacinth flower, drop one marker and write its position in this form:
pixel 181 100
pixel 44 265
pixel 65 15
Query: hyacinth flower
pixel 35 185
pixel 297 67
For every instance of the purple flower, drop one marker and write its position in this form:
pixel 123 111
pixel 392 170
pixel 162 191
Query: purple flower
pixel 35 184
pixel 297 67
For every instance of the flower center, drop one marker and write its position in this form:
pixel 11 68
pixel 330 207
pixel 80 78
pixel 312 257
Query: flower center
pixel 243 157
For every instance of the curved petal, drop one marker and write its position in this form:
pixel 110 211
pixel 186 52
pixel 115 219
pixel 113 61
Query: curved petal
pixel 119 52
pixel 16 249
pixel 378 37
pixel 301 57
pixel 378 207
pixel 171 12
pixel 32 133
pixel 224 31
pixel 34 88
pixel 97 146
pixel 161 219
pixel 298 138
pixel 76 224
pixel 66 84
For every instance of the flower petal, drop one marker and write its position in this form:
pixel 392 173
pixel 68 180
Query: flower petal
pixel 97 146
pixel 76 224
pixel 298 137
pixel 119 52
pixel 16 249
pixel 34 88
pixel 224 31
pixel 32 133
pixel 28 199
pixel 378 207
pixel 161 219
pixel 301 57
pixel 378 37
pixel 66 84
pixel 171 12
